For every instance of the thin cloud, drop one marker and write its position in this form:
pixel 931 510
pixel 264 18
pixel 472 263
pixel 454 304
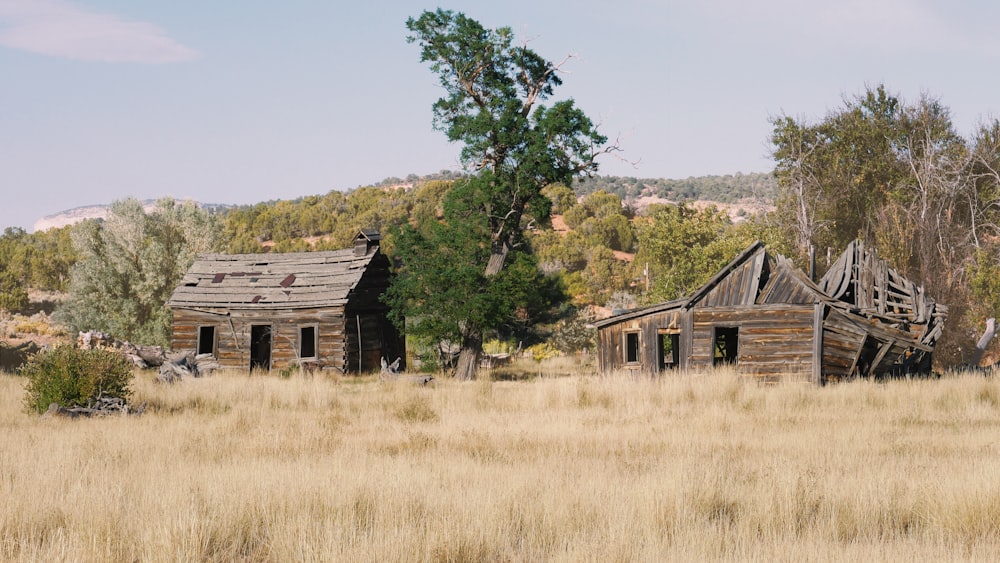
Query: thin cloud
pixel 61 29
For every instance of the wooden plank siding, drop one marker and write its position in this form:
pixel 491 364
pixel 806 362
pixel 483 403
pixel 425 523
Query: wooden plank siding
pixel 773 341
pixel 611 342
pixel 232 332
pixel 335 292
pixel 861 319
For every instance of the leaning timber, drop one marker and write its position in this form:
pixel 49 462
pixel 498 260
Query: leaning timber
pixel 768 319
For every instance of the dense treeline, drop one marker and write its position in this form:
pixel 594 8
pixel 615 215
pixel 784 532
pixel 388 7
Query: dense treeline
pixel 900 177
pixel 39 260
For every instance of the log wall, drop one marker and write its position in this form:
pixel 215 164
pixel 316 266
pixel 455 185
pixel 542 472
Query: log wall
pixel 232 330
pixel 612 339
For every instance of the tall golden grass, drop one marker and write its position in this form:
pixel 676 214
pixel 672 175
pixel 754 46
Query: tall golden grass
pixel 692 467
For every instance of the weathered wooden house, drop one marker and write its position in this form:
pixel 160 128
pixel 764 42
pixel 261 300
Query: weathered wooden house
pixel 766 317
pixel 320 310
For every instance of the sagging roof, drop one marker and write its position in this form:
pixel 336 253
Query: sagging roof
pixel 293 280
pixel 859 284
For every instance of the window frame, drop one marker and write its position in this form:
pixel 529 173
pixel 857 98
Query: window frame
pixel 732 353
pixel 301 340
pixel 637 349
pixel 215 340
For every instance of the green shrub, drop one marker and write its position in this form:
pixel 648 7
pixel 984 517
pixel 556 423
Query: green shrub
pixel 13 297
pixel 72 377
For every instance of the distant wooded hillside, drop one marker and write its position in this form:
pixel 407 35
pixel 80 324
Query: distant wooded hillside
pixel 728 188
pixel 723 189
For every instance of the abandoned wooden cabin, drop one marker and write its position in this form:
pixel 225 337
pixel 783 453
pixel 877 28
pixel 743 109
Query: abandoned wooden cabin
pixel 320 310
pixel 767 318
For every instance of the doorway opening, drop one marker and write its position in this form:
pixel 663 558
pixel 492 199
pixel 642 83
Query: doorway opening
pixel 260 347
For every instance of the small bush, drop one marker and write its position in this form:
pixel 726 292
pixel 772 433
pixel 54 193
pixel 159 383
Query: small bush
pixel 72 377
pixel 543 351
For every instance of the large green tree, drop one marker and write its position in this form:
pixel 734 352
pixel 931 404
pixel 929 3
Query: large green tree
pixel 891 173
pixel 129 265
pixel 898 176
pixel 513 146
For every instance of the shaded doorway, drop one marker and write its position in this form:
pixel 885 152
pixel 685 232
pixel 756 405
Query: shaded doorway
pixel 260 347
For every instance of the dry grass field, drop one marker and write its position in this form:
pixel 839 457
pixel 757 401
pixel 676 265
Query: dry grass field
pixel 694 467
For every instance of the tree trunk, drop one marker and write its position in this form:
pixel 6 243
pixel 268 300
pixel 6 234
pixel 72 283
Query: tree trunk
pixel 472 343
pixel 468 357
pixel 497 259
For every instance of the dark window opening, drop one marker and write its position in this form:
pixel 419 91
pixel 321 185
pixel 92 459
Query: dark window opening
pixel 726 345
pixel 631 347
pixel 307 342
pixel 206 340
pixel 669 345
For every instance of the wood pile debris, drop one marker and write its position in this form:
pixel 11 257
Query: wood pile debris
pixel 390 372
pixel 104 406
pixel 186 364
pixel 143 357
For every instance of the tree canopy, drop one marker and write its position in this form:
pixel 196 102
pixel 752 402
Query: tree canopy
pixel 129 265
pixel 513 146
pixel 898 176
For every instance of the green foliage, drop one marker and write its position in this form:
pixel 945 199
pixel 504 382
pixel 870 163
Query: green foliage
pixel 896 175
pixel 572 334
pixel 41 260
pixel 330 222
pixel 584 255
pixel 984 283
pixel 130 264
pixel 685 247
pixel 442 288
pixel 13 297
pixel 561 196
pixel 542 351
pixel 493 105
pixel 729 188
pixel 70 377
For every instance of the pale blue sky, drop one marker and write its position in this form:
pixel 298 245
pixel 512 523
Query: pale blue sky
pixel 244 101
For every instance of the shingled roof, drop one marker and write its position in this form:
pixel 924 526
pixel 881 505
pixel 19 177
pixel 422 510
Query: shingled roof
pixel 294 280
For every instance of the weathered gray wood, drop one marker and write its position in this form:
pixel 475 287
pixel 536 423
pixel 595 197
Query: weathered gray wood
pixel 104 406
pixel 866 299
pixel 816 376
